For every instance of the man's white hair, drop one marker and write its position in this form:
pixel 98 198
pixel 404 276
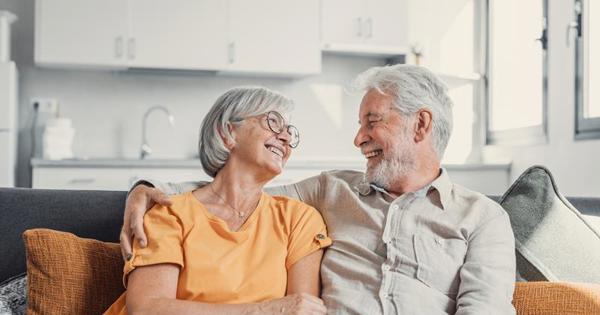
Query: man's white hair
pixel 414 88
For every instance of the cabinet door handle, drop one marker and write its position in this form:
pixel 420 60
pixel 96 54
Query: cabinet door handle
pixel 131 48
pixel 80 181
pixel 575 25
pixel 231 51
pixel 118 47
pixel 359 27
pixel 369 27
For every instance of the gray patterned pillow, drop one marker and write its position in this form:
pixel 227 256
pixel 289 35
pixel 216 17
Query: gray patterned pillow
pixel 554 242
pixel 13 296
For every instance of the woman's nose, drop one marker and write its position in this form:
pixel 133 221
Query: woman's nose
pixel 284 136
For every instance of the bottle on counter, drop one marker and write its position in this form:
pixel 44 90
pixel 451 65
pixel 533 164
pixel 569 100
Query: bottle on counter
pixel 58 139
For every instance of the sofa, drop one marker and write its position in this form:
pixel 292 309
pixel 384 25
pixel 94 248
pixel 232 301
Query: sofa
pixel 98 215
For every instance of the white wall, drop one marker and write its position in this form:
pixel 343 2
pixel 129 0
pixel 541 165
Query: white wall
pixel 573 163
pixel 107 107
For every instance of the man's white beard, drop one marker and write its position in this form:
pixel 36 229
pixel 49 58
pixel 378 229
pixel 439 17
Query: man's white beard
pixel 394 166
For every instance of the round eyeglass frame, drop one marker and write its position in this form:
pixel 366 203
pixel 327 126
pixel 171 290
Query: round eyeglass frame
pixel 281 126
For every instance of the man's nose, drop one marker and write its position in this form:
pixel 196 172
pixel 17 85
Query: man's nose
pixel 361 137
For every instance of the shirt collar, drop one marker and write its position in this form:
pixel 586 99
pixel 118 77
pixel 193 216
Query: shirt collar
pixel 442 184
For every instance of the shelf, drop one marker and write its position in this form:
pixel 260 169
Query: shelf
pixel 458 79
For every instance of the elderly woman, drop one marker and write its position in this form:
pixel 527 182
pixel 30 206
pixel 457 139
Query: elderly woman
pixel 228 247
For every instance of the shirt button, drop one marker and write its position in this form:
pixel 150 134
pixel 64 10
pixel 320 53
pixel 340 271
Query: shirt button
pixel 320 236
pixel 386 268
pixel 395 207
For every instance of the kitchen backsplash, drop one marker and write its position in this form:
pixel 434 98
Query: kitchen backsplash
pixel 107 107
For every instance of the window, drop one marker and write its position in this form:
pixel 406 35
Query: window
pixel 587 44
pixel 516 70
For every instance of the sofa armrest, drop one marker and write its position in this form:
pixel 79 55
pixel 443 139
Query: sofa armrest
pixel 537 298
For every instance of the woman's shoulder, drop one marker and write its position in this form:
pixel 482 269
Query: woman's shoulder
pixel 180 204
pixel 181 198
pixel 287 201
pixel 290 206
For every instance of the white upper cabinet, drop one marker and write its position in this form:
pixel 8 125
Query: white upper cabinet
pixel 387 24
pixel 274 36
pixel 377 27
pixel 342 21
pixel 81 33
pixel 278 37
pixel 177 34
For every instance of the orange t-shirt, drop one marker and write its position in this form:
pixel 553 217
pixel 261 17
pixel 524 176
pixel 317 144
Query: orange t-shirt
pixel 222 266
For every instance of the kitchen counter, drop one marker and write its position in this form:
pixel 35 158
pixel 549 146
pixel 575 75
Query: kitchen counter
pixel 120 174
pixel 118 163
pixel 324 164
pixel 355 164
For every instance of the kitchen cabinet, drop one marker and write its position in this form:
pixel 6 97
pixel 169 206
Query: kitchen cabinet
pixel 376 27
pixel 89 33
pixel 173 34
pixel 177 34
pixel 229 36
pixel 81 178
pixel 282 39
pixel 112 175
pixel 108 174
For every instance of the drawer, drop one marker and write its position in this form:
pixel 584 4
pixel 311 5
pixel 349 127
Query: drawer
pixel 109 178
pixel 81 178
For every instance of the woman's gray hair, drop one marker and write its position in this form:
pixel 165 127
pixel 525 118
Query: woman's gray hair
pixel 414 87
pixel 233 107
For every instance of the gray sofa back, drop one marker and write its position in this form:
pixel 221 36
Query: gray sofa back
pixel 90 214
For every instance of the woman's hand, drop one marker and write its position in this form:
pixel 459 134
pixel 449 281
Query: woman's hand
pixel 140 199
pixel 294 304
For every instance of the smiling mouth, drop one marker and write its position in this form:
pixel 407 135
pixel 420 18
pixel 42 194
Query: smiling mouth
pixel 275 150
pixel 372 154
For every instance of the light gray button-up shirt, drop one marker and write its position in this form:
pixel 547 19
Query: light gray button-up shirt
pixel 441 250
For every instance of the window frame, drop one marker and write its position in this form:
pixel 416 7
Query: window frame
pixel 524 135
pixel 585 128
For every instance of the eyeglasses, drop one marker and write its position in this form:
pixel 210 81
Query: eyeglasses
pixel 277 124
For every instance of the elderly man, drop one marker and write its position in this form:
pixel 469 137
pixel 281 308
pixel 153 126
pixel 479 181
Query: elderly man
pixel 406 240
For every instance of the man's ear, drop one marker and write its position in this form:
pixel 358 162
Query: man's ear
pixel 423 124
pixel 229 141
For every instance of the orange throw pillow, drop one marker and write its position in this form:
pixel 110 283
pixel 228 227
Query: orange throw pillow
pixel 556 298
pixel 71 275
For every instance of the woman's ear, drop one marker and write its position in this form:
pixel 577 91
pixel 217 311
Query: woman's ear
pixel 228 140
pixel 423 124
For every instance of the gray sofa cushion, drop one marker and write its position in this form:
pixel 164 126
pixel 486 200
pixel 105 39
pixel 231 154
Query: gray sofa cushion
pixel 553 240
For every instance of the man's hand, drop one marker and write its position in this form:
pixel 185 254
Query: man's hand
pixel 139 200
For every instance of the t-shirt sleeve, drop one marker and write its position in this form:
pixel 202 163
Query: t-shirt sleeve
pixel 164 233
pixel 308 234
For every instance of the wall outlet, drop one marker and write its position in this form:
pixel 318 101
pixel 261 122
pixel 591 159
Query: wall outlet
pixel 45 105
